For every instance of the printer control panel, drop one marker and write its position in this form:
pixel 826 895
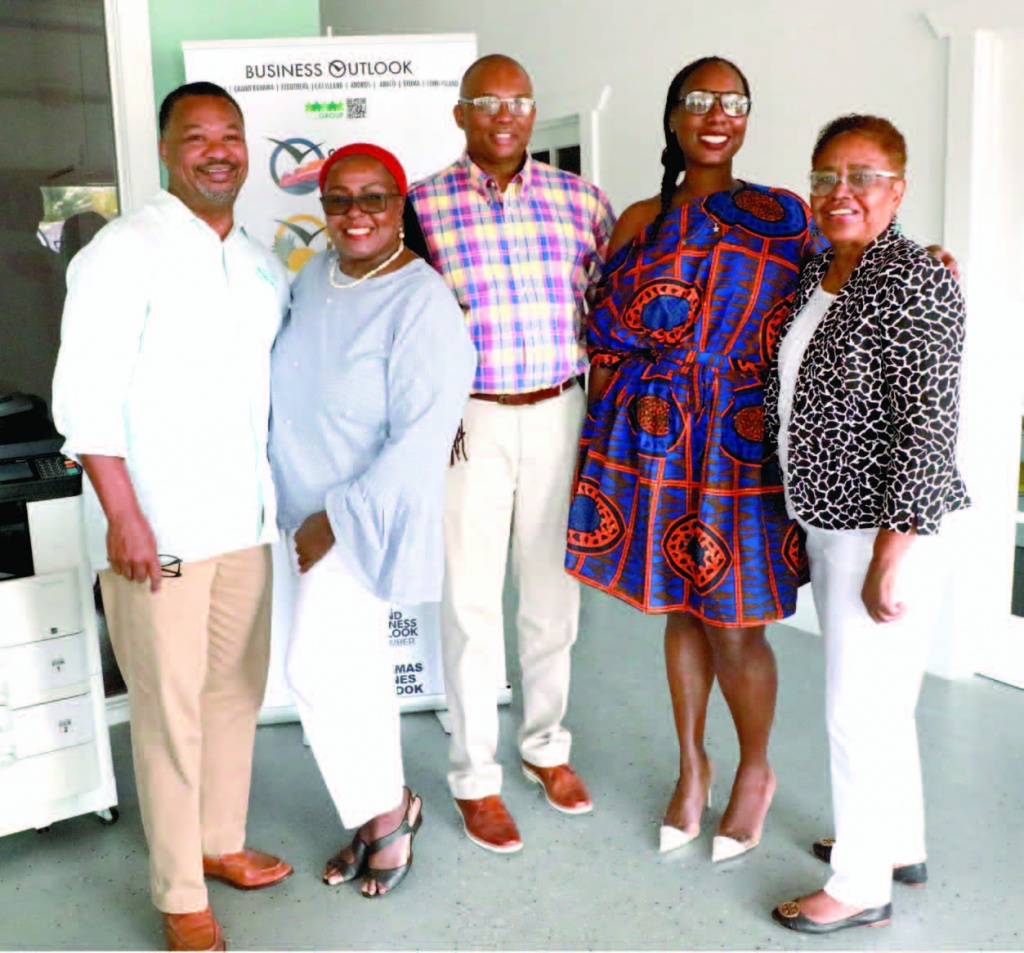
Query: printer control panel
pixel 54 467
pixel 40 477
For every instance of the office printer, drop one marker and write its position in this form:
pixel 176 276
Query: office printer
pixel 32 469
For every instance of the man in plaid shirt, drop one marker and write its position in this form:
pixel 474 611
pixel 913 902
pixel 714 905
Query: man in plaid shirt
pixel 519 243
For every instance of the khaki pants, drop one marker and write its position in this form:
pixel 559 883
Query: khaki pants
pixel 515 484
pixel 194 656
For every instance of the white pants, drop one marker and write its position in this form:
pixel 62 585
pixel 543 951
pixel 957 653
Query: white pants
pixel 872 681
pixel 515 483
pixel 340 670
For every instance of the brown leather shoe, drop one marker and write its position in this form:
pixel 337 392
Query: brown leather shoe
pixel 247 869
pixel 489 824
pixel 563 787
pixel 193 931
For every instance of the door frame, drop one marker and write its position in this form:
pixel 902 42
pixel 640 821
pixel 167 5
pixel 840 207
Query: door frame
pixel 979 634
pixel 130 61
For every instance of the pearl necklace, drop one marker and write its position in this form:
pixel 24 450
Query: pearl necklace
pixel 373 271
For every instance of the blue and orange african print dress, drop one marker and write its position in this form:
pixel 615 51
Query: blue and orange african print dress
pixel 670 511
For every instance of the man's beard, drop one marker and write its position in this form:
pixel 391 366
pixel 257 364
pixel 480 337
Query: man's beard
pixel 223 196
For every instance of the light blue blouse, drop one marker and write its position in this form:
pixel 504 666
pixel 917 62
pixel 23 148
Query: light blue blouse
pixel 368 385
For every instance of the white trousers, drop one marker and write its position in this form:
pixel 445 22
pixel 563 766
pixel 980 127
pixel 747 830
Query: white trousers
pixel 341 673
pixel 872 681
pixel 515 484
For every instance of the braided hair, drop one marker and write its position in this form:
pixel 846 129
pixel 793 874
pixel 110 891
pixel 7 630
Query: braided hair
pixel 672 157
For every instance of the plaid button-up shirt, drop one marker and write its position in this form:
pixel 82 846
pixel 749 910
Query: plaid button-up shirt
pixel 520 263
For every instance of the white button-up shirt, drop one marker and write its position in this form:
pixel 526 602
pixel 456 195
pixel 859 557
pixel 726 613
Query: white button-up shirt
pixel 165 361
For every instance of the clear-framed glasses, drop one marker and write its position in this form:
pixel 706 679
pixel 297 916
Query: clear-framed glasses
pixel 491 105
pixel 170 566
pixel 857 181
pixel 702 101
pixel 372 203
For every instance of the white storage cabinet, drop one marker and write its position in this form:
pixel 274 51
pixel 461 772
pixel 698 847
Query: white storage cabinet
pixel 54 744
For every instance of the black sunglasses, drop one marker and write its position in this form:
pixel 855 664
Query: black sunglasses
pixel 372 203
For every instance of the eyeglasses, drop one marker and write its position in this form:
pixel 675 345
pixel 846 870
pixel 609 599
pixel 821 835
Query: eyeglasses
pixel 491 105
pixel 702 101
pixel 858 181
pixel 372 203
pixel 170 566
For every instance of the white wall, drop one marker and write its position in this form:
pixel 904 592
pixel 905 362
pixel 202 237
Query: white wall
pixel 806 60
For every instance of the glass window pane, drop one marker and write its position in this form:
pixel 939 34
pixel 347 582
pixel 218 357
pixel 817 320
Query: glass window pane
pixel 569 159
pixel 57 171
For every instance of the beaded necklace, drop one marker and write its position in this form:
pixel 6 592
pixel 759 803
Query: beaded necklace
pixel 373 271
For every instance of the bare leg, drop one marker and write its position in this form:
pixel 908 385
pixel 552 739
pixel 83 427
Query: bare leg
pixel 689 663
pixel 745 667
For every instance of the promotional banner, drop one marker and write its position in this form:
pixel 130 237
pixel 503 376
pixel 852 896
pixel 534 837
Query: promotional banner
pixel 304 98
pixel 301 100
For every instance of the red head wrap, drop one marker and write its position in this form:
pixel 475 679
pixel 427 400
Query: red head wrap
pixel 387 159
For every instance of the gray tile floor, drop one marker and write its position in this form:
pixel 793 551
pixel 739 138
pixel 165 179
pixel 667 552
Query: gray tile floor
pixel 591 882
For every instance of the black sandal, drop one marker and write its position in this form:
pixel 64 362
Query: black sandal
pixel 391 877
pixel 349 870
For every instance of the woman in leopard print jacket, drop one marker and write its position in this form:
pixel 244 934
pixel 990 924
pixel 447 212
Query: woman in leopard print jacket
pixel 863 399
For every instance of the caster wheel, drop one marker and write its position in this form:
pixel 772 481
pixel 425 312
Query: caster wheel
pixel 108 816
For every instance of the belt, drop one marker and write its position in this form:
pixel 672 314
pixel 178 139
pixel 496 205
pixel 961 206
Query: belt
pixel 530 397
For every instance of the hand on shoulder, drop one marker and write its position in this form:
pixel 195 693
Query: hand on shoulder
pixel 947 258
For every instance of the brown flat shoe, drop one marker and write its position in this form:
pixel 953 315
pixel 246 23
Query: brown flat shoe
pixel 489 824
pixel 247 869
pixel 563 787
pixel 193 931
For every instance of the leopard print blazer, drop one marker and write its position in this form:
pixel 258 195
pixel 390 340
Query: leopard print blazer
pixel 872 437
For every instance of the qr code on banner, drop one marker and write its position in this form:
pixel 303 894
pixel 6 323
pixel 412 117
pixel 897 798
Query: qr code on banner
pixel 355 108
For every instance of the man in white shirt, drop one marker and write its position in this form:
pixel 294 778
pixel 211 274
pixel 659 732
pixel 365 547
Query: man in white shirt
pixel 162 391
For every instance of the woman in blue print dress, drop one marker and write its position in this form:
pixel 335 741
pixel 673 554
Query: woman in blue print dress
pixel 671 510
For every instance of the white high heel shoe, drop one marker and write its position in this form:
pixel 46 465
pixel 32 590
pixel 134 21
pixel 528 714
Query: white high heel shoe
pixel 727 848
pixel 672 838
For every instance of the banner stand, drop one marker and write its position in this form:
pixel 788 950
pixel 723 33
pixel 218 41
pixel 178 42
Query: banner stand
pixel 302 99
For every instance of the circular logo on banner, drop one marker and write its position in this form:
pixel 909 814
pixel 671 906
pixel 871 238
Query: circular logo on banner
pixel 336 68
pixel 295 165
pixel 298 239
